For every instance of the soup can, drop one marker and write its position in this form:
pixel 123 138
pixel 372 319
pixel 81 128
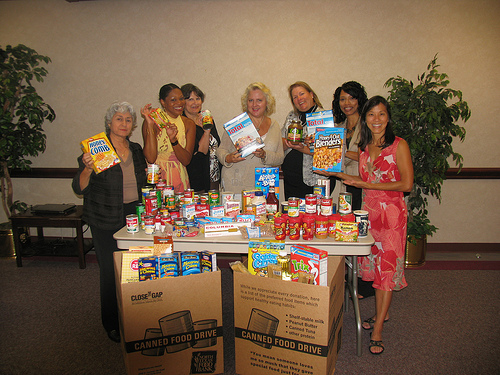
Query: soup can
pixel 326 206
pixel 293 207
pixel 345 203
pixel 204 198
pixel 362 220
pixel 149 224
pixel 311 203
pixel 188 196
pixel 132 223
pixel 153 175
pixel 151 205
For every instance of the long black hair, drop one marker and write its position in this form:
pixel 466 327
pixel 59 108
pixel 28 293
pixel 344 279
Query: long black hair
pixel 365 134
pixel 353 88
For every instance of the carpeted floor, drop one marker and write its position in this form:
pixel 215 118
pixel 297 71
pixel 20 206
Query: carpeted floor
pixel 443 323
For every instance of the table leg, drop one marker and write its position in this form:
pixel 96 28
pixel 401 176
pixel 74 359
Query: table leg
pixel 81 248
pixel 352 284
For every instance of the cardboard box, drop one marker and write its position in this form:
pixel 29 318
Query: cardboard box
pixel 282 327
pixel 171 325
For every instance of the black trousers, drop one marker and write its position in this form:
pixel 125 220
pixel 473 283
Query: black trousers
pixel 105 245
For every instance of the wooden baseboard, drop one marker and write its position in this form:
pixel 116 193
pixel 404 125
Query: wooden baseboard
pixel 443 247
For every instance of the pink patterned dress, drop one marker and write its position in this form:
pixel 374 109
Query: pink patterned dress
pixel 387 215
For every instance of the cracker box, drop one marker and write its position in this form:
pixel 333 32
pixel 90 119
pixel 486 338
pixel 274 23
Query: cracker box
pixel 171 325
pixel 282 327
pixel 329 150
pixel 101 150
pixel 243 134
pixel 263 178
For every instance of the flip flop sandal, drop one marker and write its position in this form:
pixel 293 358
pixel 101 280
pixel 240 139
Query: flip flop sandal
pixel 376 344
pixel 371 322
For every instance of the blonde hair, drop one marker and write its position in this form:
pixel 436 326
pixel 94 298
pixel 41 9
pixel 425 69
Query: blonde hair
pixel 270 101
pixel 308 88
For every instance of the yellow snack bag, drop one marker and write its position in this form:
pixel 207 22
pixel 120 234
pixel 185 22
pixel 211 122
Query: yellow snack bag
pixel 101 150
pixel 159 117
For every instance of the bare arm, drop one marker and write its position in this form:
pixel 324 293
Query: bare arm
pixel 149 133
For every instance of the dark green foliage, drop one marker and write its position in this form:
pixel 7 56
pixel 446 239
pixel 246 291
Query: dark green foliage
pixel 425 114
pixel 22 114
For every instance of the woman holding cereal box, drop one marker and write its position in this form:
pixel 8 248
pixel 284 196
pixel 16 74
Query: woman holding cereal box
pixel 385 173
pixel 169 137
pixel 238 173
pixel 108 197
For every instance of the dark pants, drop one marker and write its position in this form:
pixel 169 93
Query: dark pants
pixel 104 246
pixel 357 197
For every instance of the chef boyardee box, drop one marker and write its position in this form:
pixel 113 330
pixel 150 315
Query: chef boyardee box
pixel 284 327
pixel 171 325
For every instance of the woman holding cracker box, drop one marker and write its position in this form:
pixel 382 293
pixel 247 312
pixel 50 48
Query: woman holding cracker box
pixel 169 137
pixel 204 168
pixel 348 101
pixel 385 173
pixel 298 177
pixel 108 197
pixel 239 173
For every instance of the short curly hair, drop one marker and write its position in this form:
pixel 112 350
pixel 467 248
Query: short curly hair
pixel 270 101
pixel 119 107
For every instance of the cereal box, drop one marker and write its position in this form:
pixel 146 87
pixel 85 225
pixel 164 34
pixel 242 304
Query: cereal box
pixel 321 119
pixel 243 134
pixel 311 260
pixel 263 178
pixel 101 150
pixel 329 150
pixel 261 253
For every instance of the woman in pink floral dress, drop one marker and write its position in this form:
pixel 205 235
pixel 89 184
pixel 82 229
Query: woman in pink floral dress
pixel 386 171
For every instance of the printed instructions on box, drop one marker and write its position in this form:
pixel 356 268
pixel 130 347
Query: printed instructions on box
pixel 299 335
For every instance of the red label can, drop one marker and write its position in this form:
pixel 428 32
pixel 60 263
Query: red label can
pixel 311 203
pixel 326 206
pixel 132 223
pixel 151 205
pixel 294 225
pixel 280 228
pixel 293 207
pixel 308 227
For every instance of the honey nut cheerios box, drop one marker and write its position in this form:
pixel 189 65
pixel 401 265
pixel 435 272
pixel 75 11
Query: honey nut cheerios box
pixel 101 150
pixel 329 150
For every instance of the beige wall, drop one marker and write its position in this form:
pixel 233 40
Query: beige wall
pixel 108 50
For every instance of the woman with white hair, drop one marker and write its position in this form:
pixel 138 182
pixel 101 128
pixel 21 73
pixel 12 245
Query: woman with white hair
pixel 108 197
pixel 239 173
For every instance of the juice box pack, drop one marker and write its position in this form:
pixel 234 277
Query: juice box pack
pixel 329 150
pixel 101 150
pixel 264 177
pixel 243 134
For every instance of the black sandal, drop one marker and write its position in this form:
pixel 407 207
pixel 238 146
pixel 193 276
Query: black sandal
pixel 376 344
pixel 371 323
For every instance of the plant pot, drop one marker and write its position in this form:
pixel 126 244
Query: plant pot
pixel 7 248
pixel 415 254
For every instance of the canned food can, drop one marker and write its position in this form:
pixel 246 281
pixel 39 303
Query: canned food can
pixel 188 196
pixel 151 205
pixel 153 175
pixel 311 203
pixel 145 192
pixel 362 220
pixel 139 209
pixel 132 223
pixel 308 227
pixel 213 197
pixel 149 224
pixel 280 224
pixel 204 198
pixel 284 207
pixel 326 206
pixel 294 225
pixel 345 203
pixel 293 207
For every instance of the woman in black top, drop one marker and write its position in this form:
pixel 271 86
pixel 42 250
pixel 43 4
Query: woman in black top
pixel 204 168
pixel 108 197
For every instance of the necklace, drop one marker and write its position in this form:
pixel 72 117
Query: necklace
pixel 260 123
pixel 350 131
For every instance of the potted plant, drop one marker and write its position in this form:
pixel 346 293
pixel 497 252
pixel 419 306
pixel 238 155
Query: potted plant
pixel 22 113
pixel 426 115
